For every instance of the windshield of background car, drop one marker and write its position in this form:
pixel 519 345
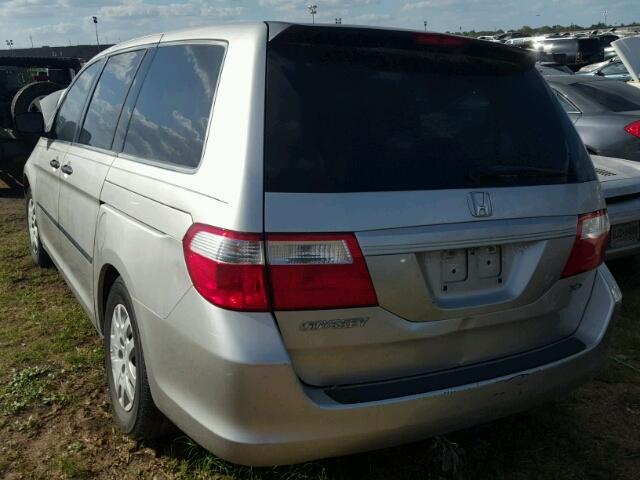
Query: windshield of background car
pixel 373 111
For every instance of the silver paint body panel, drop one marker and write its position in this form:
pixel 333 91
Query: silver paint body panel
pixel 251 388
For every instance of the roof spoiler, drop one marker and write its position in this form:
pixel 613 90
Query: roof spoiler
pixel 368 37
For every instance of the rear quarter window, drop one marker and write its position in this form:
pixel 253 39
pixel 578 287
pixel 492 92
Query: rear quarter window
pixel 170 118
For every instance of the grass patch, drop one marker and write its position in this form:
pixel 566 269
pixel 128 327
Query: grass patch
pixel 192 461
pixel 71 467
pixel 32 385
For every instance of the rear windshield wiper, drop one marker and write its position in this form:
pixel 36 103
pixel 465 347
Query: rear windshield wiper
pixel 510 172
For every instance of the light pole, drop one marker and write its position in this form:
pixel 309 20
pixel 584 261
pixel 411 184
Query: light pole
pixel 605 17
pixel 95 22
pixel 313 9
pixel 338 21
pixel 9 44
pixel 425 25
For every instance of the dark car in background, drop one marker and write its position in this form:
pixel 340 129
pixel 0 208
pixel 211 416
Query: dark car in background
pixel 26 79
pixel 606 113
pixel 552 68
pixel 574 52
pixel 23 82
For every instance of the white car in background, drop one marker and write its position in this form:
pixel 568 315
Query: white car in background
pixel 620 180
pixel 628 49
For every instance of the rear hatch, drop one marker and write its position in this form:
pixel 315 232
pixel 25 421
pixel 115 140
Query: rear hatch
pixel 448 168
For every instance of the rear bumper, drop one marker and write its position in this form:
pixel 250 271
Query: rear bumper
pixel 229 384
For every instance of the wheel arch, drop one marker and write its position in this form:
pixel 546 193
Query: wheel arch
pixel 26 185
pixel 107 277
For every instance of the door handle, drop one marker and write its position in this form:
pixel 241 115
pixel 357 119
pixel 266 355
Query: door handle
pixel 67 169
pixel 55 163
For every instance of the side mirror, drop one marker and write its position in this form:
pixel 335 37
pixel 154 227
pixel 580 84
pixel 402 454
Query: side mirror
pixel 29 123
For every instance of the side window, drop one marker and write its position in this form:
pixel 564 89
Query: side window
pixel 568 107
pixel 73 103
pixel 170 118
pixel 108 97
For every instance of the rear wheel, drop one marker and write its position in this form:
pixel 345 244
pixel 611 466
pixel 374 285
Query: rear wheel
pixel 131 402
pixel 38 254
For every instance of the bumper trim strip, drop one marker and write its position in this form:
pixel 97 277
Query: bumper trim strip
pixel 421 384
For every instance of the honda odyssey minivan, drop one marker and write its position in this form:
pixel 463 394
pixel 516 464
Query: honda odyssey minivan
pixel 305 241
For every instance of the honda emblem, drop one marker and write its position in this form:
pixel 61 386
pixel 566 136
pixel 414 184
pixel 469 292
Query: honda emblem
pixel 479 204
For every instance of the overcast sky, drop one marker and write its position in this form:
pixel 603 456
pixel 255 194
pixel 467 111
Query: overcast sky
pixel 60 22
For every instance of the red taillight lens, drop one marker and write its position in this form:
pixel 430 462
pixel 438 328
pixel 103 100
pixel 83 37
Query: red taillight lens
pixel 633 128
pixel 227 268
pixel 590 244
pixel 318 271
pixel 306 272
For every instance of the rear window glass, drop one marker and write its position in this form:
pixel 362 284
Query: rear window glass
pixel 612 95
pixel 352 119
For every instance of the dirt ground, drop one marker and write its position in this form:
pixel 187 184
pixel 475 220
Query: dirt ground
pixel 55 418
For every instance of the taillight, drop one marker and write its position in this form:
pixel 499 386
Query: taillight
pixel 227 268
pixel 306 271
pixel 439 40
pixel 633 128
pixel 318 271
pixel 590 244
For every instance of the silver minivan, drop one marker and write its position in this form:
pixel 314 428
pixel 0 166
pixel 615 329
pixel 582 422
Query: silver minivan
pixel 304 241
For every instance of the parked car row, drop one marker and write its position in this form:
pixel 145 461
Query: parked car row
pixel 304 241
pixel 606 113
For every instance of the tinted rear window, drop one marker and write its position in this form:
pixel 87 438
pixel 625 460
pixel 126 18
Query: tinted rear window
pixel 373 118
pixel 612 95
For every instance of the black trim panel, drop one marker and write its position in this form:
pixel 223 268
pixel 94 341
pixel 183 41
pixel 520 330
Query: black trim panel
pixel 66 234
pixel 421 384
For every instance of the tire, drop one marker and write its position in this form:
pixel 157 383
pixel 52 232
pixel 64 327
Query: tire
pixel 38 254
pixel 137 417
pixel 23 100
